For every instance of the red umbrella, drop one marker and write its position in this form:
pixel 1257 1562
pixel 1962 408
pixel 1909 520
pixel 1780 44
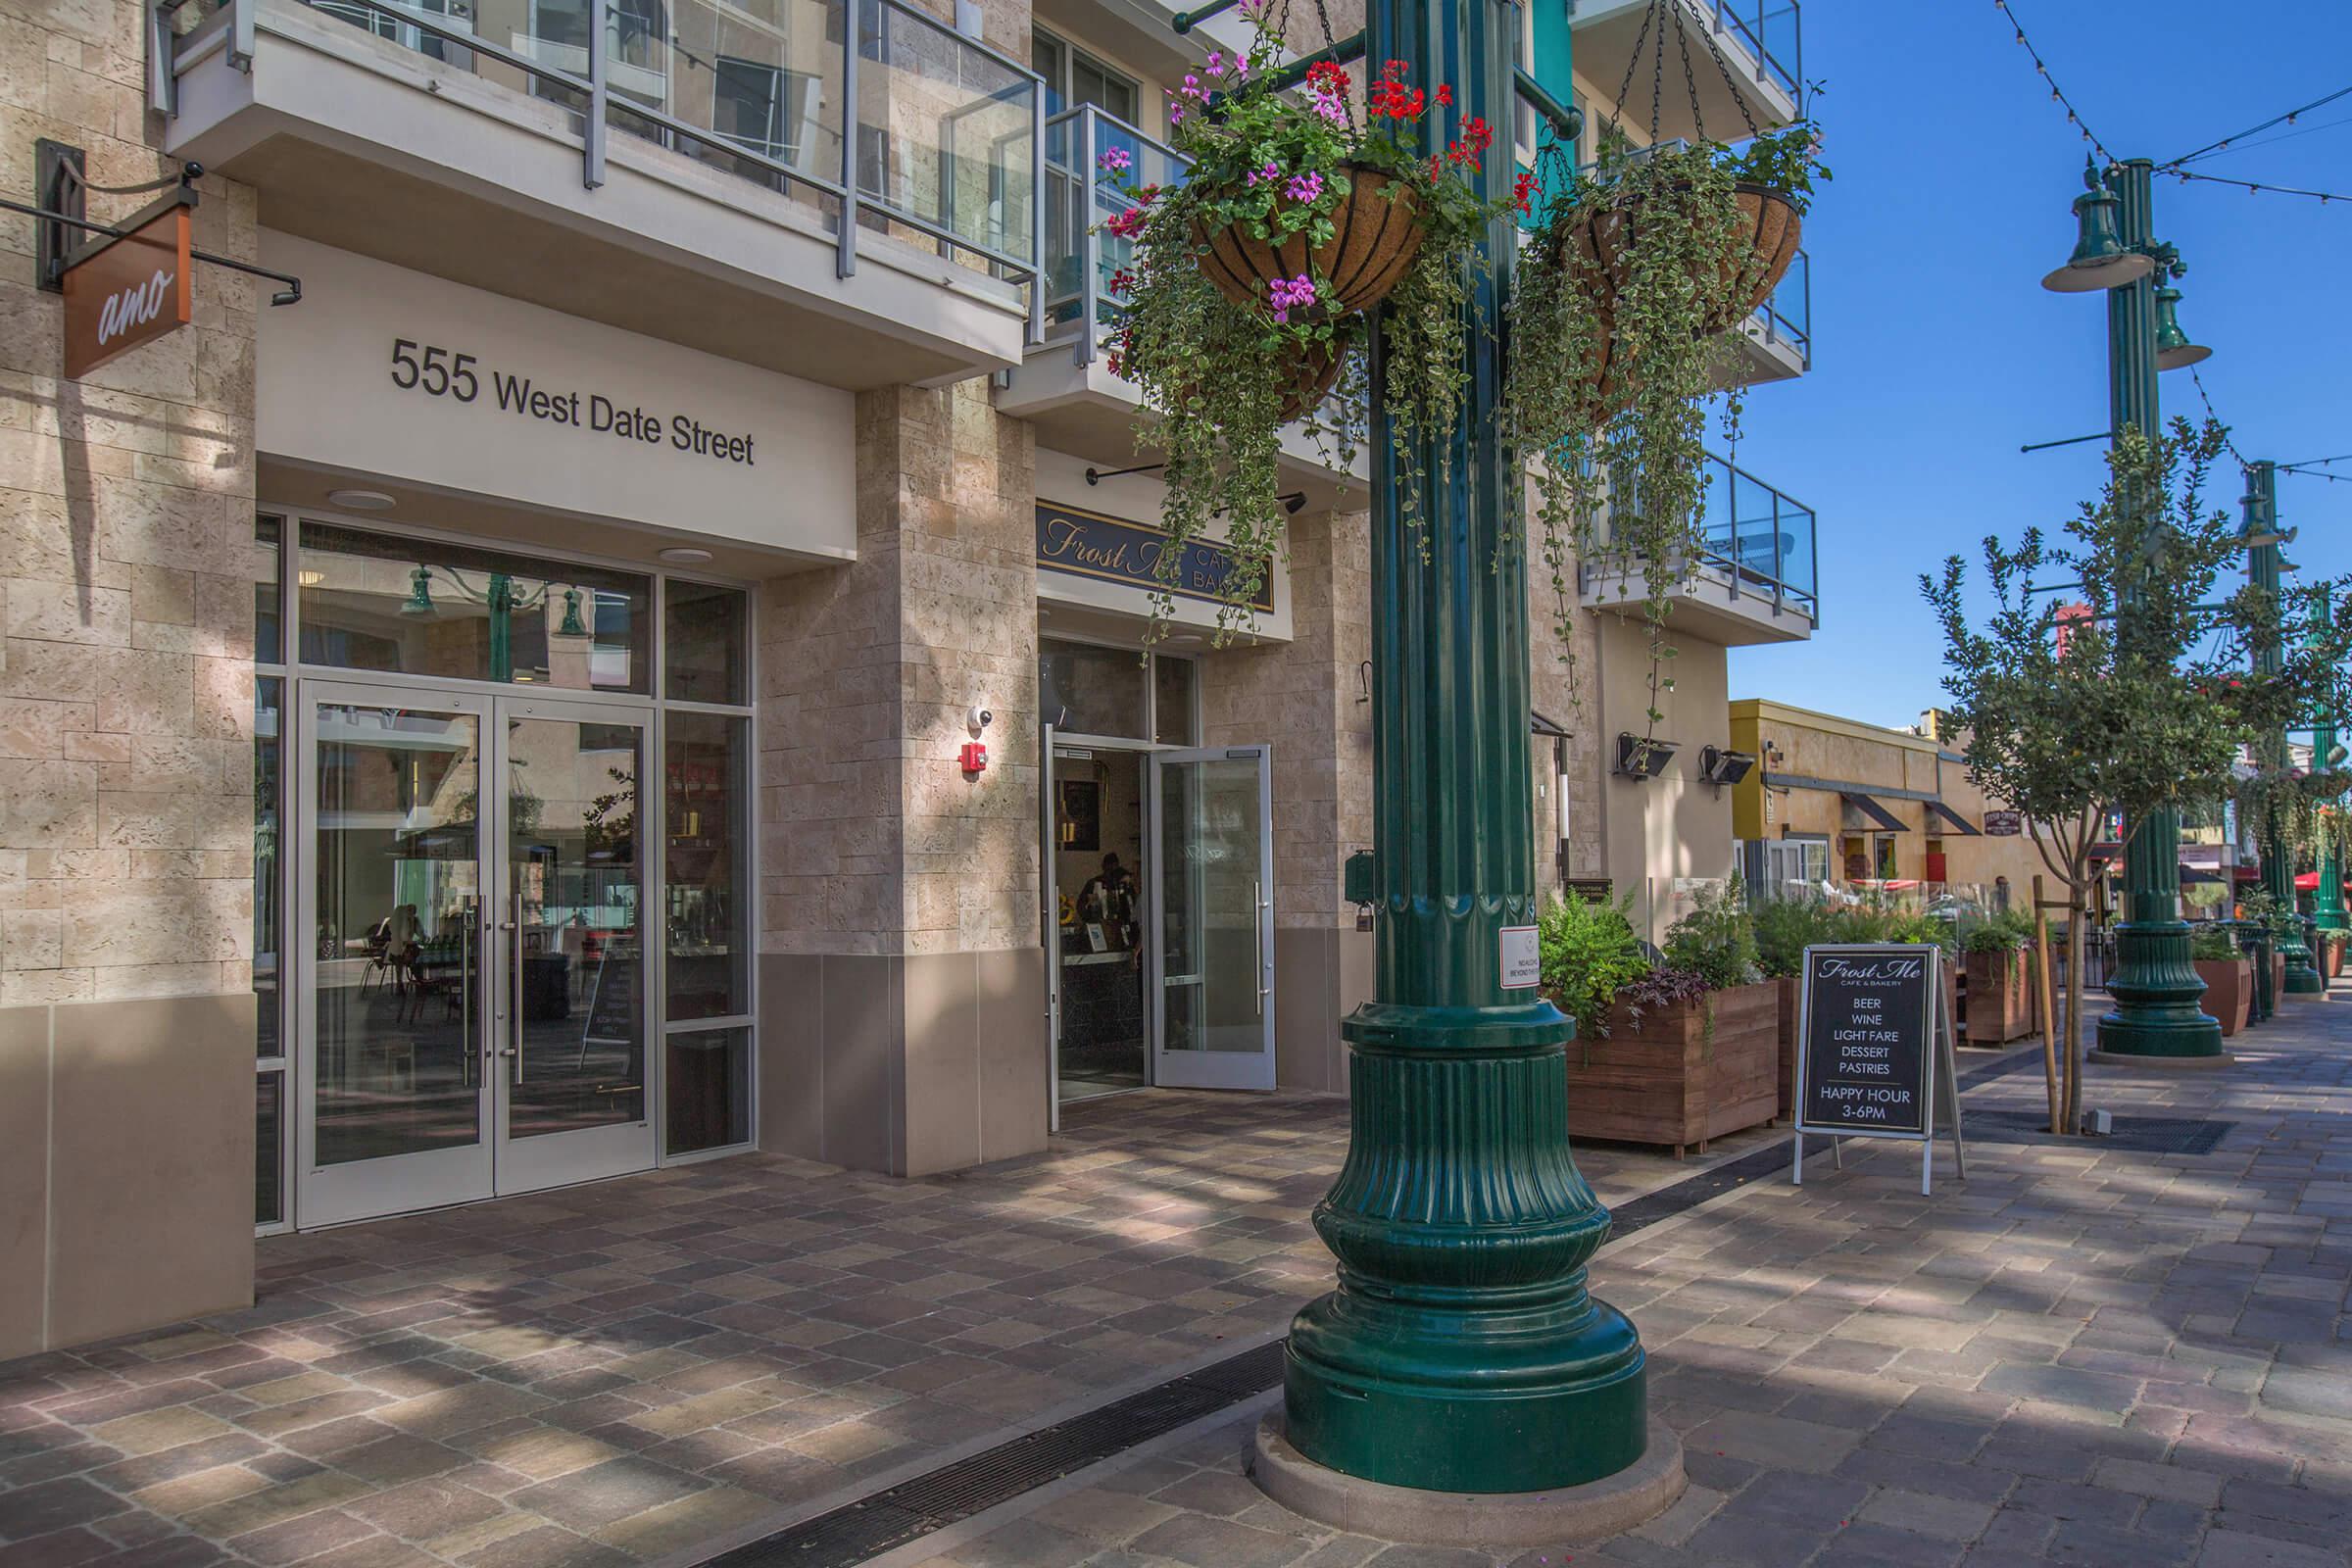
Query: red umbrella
pixel 2308 882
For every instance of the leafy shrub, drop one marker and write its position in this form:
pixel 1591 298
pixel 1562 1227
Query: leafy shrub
pixel 2211 945
pixel 1715 941
pixel 1785 927
pixel 1588 955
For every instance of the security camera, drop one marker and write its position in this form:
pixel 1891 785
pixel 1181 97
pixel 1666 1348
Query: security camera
pixel 979 718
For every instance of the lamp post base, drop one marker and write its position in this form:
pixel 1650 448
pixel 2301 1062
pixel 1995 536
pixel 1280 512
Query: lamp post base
pixel 2156 990
pixel 1551 1517
pixel 2148 1032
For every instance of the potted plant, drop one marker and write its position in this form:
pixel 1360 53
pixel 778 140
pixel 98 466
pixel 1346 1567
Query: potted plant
pixel 1635 268
pixel 1683 1051
pixel 1999 966
pixel 1784 928
pixel 2228 977
pixel 1296 215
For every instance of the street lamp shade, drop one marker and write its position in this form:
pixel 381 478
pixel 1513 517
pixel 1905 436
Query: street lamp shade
pixel 2100 259
pixel 2174 350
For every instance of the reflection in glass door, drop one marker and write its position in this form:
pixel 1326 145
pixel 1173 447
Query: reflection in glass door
pixel 392 1103
pixel 1212 888
pixel 570 1025
pixel 475 1007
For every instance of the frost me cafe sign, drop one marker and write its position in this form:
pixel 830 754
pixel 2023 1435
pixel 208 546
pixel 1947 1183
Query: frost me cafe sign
pixel 1874 1049
pixel 128 292
pixel 1087 544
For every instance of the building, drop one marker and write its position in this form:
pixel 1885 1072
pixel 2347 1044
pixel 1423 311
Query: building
pixel 1836 801
pixel 637 664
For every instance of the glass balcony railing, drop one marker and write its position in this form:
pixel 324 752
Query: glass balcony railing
pixel 1787 316
pixel 1092 160
pixel 1749 539
pixel 948 132
pixel 1772 32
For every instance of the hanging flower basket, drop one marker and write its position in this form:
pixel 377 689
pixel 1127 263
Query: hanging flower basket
pixel 1597 245
pixel 1376 235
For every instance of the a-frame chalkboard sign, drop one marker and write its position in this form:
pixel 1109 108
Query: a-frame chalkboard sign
pixel 1874 1050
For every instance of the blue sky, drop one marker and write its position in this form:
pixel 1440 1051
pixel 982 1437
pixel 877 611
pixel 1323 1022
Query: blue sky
pixel 1937 351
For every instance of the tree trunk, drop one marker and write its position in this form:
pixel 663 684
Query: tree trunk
pixel 2071 1051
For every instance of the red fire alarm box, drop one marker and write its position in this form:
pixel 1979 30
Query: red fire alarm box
pixel 974 757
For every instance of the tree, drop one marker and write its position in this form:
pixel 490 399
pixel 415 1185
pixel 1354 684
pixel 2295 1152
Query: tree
pixel 2149 698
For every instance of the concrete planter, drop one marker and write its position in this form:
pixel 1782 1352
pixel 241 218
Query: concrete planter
pixel 2000 997
pixel 2332 944
pixel 2277 981
pixel 1668 1079
pixel 2229 991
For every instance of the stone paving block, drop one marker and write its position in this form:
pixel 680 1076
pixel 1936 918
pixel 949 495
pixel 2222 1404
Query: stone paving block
pixel 2227 1548
pixel 1199 1542
pixel 2171 1483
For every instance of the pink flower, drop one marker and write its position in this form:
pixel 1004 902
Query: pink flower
pixel 1286 294
pixel 1128 223
pixel 1270 171
pixel 1305 187
pixel 1116 161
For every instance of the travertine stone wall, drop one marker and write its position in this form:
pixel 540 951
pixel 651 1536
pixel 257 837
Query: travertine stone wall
pixel 1300 697
pixel 127 512
pixel 126 1036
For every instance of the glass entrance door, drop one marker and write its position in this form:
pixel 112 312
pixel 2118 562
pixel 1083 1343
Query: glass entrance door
pixel 391 1001
pixel 473 1007
pixel 570 1017
pixel 1212 890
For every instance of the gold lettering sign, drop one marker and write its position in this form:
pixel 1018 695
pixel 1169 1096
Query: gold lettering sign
pixel 1087 544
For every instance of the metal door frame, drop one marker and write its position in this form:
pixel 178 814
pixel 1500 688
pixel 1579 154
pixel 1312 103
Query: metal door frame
pixel 1213 1069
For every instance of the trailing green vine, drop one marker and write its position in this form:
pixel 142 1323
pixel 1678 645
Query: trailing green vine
pixel 1635 268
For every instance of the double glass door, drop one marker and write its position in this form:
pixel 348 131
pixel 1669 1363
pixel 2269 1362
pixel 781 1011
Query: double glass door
pixel 475 1013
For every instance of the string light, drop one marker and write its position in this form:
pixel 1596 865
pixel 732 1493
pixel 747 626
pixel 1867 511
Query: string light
pixel 2206 398
pixel 2212 148
pixel 2058 95
pixel 2254 188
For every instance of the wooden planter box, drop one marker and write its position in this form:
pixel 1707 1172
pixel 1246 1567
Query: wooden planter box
pixel 2000 997
pixel 2334 942
pixel 2229 991
pixel 1792 989
pixel 1666 1080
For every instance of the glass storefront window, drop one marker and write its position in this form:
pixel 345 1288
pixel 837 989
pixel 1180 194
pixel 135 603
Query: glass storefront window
pixel 708 1089
pixel 708 795
pixel 269 1176
pixel 1084 690
pixel 268 641
pixel 706 642
pixel 268 693
pixel 1173 711
pixel 419 606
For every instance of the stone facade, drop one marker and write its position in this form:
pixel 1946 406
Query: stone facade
pixel 126 715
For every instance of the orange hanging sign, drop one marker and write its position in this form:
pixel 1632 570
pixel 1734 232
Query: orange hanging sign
pixel 128 291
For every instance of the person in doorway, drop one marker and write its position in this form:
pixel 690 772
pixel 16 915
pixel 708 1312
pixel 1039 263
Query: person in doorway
pixel 1109 900
pixel 2000 894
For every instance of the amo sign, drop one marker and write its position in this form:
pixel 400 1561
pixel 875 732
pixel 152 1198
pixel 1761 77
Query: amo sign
pixel 128 292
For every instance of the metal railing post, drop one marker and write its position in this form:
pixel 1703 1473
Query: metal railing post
pixel 844 253
pixel 592 149
pixel 240 35
pixel 1090 259
pixel 1037 210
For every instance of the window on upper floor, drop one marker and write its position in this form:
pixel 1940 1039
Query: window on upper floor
pixel 1073 77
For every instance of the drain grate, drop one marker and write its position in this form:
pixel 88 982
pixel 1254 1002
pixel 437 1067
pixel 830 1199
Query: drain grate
pixel 2139 1135
pixel 871 1526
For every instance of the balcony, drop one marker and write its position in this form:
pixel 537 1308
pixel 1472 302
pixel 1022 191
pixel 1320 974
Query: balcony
pixel 1775 342
pixel 1761 41
pixel 685 169
pixel 1065 387
pixel 1753 579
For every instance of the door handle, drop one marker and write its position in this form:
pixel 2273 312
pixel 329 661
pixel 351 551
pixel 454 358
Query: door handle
pixel 1257 940
pixel 514 986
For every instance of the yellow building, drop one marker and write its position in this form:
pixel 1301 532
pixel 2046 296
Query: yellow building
pixel 1840 801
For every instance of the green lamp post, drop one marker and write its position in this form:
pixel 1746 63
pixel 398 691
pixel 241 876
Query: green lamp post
pixel 2263 569
pixel 2155 986
pixel 2327 908
pixel 1461 1351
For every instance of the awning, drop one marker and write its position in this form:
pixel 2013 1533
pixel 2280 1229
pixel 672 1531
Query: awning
pixel 1875 812
pixel 1955 819
pixel 2307 882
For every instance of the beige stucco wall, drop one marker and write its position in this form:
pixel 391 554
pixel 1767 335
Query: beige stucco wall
pixel 1674 826
pixel 125 741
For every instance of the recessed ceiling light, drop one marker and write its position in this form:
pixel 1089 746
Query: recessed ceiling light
pixel 361 500
pixel 685 556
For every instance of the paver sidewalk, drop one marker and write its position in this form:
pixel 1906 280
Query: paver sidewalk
pixel 614 1373
pixel 2082 1355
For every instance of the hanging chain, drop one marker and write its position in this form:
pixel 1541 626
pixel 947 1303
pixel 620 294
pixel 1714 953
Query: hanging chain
pixel 1657 76
pixel 1331 44
pixel 1723 68
pixel 1698 118
pixel 1632 63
